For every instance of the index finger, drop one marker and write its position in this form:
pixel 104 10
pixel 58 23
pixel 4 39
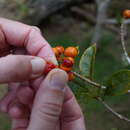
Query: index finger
pixel 22 35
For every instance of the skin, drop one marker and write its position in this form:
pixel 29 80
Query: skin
pixel 40 103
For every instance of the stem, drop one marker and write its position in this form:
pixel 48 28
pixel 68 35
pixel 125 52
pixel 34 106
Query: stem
pixel 121 117
pixel 123 42
pixel 88 80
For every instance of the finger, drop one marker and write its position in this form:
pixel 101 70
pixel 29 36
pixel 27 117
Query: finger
pixel 17 90
pixel 18 110
pixel 20 35
pixel 19 114
pixel 25 95
pixel 72 117
pixel 20 51
pixel 19 124
pixel 5 101
pixel 47 107
pixel 15 68
pixel 35 84
pixel 9 97
pixel 4 47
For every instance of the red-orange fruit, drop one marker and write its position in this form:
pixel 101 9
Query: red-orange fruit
pixel 126 13
pixel 60 59
pixel 69 58
pixel 68 62
pixel 49 67
pixel 67 69
pixel 71 76
pixel 71 52
pixel 56 52
pixel 60 49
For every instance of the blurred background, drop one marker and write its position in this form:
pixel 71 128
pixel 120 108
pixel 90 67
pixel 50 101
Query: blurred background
pixel 80 23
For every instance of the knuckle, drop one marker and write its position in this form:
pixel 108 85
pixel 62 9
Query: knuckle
pixel 36 28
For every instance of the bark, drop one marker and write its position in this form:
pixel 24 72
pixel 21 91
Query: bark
pixel 44 8
pixel 33 11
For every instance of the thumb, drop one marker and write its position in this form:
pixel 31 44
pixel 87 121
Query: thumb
pixel 48 102
pixel 14 68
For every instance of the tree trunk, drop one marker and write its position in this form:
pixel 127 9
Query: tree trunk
pixel 33 11
pixel 44 8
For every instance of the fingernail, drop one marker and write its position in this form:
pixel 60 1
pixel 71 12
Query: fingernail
pixel 58 79
pixel 53 60
pixel 38 66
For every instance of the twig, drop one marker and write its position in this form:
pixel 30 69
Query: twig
pixel 121 117
pixel 91 18
pixel 88 81
pixel 114 21
pixel 123 42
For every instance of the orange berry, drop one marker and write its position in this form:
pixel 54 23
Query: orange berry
pixel 71 52
pixel 126 13
pixel 67 69
pixel 49 67
pixel 60 49
pixel 71 76
pixel 56 52
pixel 68 62
pixel 60 59
pixel 69 58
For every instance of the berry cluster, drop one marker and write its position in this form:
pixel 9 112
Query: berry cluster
pixel 126 14
pixel 65 58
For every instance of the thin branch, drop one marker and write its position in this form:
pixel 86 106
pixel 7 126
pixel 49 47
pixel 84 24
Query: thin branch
pixel 88 16
pixel 121 117
pixel 89 81
pixel 123 42
pixel 114 21
pixel 91 18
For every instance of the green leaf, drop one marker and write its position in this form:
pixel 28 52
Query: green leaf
pixel 118 83
pixel 87 61
pixel 87 92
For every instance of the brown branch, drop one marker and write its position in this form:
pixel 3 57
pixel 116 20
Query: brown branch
pixel 88 81
pixel 114 21
pixel 44 8
pixel 91 19
pixel 123 43
pixel 121 117
pixel 84 14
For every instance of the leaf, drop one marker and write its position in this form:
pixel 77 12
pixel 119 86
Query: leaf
pixel 87 92
pixel 119 83
pixel 87 60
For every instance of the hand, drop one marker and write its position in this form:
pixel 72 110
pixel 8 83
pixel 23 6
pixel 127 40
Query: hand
pixel 21 39
pixel 19 100
pixel 54 107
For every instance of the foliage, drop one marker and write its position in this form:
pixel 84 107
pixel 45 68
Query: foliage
pixel 118 83
pixel 87 61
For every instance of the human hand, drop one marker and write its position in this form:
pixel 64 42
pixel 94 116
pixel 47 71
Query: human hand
pixel 19 100
pixel 54 106
pixel 22 39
